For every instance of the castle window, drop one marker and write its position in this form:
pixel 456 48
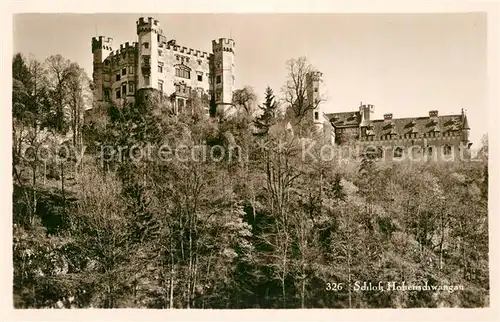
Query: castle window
pixel 130 87
pixel 124 71
pixel 118 77
pixel 398 152
pixel 124 89
pixel 200 78
pixel 187 59
pixel 316 115
pixel 160 53
pixel 199 61
pixel 106 94
pixel 315 89
pixel 118 94
pixel 184 73
pixel 160 69
pixel 447 150
pixel 217 96
pixel 160 86
pixel 177 57
pixel 429 150
pixel 218 80
pixel 146 45
pixel 146 80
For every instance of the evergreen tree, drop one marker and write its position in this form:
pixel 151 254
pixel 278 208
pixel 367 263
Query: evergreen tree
pixel 269 113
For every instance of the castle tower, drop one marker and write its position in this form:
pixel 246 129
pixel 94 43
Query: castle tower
pixel 364 111
pixel 101 48
pixel 223 74
pixel 147 33
pixel 465 130
pixel 465 127
pixel 313 80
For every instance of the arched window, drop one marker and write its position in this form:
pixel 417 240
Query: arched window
pixel 398 152
pixel 447 150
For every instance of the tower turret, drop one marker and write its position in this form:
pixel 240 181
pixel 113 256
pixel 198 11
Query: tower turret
pixel 465 129
pixel 101 48
pixel 223 73
pixel 313 80
pixel 148 31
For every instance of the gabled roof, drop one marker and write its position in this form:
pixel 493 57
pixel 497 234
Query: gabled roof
pixel 419 125
pixel 344 119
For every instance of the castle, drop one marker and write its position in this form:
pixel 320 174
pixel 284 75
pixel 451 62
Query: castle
pixel 156 62
pixel 160 64
pixel 432 137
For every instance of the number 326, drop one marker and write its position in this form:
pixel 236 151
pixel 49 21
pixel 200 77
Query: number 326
pixel 333 286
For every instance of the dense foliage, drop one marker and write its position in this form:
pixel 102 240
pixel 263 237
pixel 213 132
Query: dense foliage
pixel 237 218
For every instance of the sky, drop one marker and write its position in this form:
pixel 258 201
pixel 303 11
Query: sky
pixel 404 64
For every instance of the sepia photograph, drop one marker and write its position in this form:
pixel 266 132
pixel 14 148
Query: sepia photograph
pixel 250 161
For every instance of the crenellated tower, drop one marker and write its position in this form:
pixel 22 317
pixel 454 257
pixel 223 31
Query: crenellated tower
pixel 313 80
pixel 148 31
pixel 101 48
pixel 223 73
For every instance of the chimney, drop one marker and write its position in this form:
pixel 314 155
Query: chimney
pixel 433 113
pixel 388 116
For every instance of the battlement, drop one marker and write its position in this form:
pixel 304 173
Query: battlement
pixel 314 75
pixel 148 25
pixel 187 51
pixel 224 44
pixel 124 49
pixel 127 46
pixel 102 42
pixel 365 107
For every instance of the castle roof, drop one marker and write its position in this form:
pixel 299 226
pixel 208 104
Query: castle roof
pixel 401 126
pixel 344 119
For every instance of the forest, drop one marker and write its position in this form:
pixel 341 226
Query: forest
pixel 237 217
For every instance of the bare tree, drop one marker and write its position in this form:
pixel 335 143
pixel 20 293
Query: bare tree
pixel 59 74
pixel 245 99
pixel 79 96
pixel 297 87
pixel 29 97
